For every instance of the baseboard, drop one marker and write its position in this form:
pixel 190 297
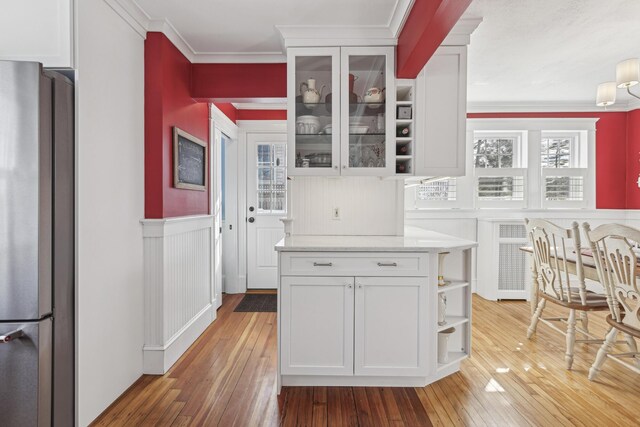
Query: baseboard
pixel 157 360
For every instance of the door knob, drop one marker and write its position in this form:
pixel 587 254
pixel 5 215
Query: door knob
pixel 251 209
pixel 251 219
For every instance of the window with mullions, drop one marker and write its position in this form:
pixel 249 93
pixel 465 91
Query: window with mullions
pixel 438 190
pixel 499 172
pixel 494 152
pixel 563 163
pixel 272 178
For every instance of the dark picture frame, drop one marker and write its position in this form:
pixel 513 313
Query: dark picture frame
pixel 190 161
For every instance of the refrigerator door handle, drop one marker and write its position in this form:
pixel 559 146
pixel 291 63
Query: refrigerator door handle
pixel 11 336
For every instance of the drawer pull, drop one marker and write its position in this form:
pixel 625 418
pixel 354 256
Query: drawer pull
pixel 387 264
pixel 323 264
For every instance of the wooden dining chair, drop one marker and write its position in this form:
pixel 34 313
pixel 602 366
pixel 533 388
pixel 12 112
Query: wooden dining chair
pixel 617 265
pixel 557 255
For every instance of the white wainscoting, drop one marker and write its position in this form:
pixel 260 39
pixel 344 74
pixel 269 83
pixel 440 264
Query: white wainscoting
pixel 178 292
pixel 368 206
pixel 463 223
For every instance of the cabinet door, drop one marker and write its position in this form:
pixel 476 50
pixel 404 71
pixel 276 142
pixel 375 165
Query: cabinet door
pixel 317 325
pixel 441 114
pixel 37 30
pixel 367 111
pixel 390 326
pixel 313 122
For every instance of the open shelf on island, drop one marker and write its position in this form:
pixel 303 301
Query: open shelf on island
pixel 453 321
pixel 453 357
pixel 451 285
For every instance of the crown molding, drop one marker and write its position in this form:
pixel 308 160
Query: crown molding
pixel 259 106
pixel 542 107
pixel 165 27
pixel 238 57
pixel 335 35
pixel 399 16
pixel 460 34
pixel 132 15
pixel 291 35
pixel 633 104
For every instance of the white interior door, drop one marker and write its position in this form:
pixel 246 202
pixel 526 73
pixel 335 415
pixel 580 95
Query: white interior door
pixel 266 204
pixel 216 210
pixel 229 214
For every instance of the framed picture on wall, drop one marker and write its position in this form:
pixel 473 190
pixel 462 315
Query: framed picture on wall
pixel 190 161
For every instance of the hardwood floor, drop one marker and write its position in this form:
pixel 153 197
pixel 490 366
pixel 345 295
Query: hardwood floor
pixel 228 378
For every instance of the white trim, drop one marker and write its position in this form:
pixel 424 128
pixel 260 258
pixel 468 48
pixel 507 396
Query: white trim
pixel 399 16
pixel 525 124
pixel 262 126
pixel 238 57
pixel 296 35
pixel 132 14
pixel 460 34
pixel 259 106
pixel 335 35
pixel 166 27
pixel 157 360
pixel 222 122
pixel 175 225
pixel 546 107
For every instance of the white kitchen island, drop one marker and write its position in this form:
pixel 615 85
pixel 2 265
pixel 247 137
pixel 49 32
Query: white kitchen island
pixel 363 310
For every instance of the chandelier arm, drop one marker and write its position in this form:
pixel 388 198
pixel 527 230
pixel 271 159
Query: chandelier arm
pixel 632 94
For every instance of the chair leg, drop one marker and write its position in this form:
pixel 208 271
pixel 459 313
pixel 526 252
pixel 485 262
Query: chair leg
pixel 584 319
pixel 633 348
pixel 601 357
pixel 571 338
pixel 536 318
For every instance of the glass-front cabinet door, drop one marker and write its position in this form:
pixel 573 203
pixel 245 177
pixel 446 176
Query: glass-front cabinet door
pixel 313 117
pixel 367 111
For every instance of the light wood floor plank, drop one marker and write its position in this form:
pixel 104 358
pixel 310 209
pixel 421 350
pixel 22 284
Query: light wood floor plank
pixel 227 378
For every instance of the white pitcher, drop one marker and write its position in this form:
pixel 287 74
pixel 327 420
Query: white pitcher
pixel 310 94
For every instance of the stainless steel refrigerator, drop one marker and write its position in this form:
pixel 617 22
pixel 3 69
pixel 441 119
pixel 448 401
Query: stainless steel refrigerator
pixel 36 246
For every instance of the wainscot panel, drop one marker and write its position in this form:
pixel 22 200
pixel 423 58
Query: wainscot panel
pixel 178 292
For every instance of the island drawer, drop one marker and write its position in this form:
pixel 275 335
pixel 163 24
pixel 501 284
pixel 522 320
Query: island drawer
pixel 353 264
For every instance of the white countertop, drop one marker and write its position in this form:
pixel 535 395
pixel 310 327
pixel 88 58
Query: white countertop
pixel 414 240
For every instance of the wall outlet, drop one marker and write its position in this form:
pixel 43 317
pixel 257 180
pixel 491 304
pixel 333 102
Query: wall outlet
pixel 336 213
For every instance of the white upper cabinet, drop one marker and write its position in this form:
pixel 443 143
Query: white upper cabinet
pixel 341 103
pixel 37 30
pixel 441 114
pixel 313 88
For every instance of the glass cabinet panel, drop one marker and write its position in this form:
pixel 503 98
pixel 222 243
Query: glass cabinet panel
pixel 314 98
pixel 368 82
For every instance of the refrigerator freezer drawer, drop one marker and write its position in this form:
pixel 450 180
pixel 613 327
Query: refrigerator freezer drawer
pixel 26 375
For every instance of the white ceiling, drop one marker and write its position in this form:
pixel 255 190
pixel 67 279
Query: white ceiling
pixel 549 51
pixel 247 27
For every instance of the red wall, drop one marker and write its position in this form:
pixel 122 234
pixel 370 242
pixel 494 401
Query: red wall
pixel 168 103
pixel 229 82
pixel 633 159
pixel 612 190
pixel 228 109
pixel 262 115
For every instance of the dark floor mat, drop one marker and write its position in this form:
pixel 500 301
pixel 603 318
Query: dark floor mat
pixel 258 303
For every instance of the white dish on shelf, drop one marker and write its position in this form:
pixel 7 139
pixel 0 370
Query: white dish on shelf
pixel 358 129
pixel 307 125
